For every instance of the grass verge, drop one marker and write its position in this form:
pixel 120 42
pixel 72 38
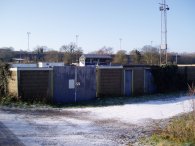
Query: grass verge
pixel 11 101
pixel 180 131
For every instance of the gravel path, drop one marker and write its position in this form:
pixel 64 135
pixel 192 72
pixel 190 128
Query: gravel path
pixel 53 127
pixel 7 138
pixel 113 125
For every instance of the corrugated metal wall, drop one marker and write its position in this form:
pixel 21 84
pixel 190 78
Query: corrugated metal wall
pixel 64 80
pixel 86 78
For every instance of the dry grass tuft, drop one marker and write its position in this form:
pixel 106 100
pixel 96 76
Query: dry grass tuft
pixel 181 130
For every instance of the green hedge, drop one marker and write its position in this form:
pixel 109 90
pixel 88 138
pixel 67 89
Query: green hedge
pixel 168 79
pixel 5 74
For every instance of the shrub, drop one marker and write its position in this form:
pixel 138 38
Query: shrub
pixel 181 130
pixel 168 79
pixel 5 74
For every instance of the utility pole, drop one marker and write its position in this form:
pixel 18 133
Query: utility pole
pixel 163 47
pixel 77 36
pixel 28 34
pixel 76 83
pixel 76 45
pixel 120 40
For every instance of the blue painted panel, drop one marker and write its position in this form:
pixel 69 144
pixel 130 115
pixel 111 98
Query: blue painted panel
pixel 128 83
pixel 61 91
pixel 86 77
pixel 149 86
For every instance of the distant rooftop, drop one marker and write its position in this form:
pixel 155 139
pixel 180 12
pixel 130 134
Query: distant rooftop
pixel 18 59
pixel 96 56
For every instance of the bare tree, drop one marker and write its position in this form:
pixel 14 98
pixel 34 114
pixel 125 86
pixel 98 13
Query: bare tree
pixel 150 55
pixel 136 56
pixel 52 56
pixel 39 50
pixel 103 50
pixel 6 54
pixel 71 53
pixel 120 57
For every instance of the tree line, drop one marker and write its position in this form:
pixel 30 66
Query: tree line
pixel 71 53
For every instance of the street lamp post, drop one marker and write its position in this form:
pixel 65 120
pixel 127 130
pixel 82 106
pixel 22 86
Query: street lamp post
pixel 77 36
pixel 76 70
pixel 76 45
pixel 28 34
pixel 120 40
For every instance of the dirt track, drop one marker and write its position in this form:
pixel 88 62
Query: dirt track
pixel 111 125
pixel 57 127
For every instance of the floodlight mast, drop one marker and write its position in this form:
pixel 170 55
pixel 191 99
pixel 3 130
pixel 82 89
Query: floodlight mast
pixel 163 8
pixel 77 36
pixel 28 34
pixel 120 41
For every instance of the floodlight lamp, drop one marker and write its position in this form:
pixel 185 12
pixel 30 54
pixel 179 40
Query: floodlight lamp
pixel 161 8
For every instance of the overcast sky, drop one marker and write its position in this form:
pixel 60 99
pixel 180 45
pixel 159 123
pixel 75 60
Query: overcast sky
pixel 98 23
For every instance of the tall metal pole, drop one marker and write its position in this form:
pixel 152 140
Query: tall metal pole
pixel 76 43
pixel 165 21
pixel 160 55
pixel 77 36
pixel 75 82
pixel 161 36
pixel 120 43
pixel 163 8
pixel 76 70
pixel 28 34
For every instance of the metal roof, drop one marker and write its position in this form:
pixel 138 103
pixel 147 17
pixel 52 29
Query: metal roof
pixel 97 56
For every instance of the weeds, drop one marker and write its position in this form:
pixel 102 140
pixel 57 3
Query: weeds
pixel 4 76
pixel 180 131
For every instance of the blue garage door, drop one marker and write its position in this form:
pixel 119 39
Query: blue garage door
pixel 128 82
pixel 73 84
pixel 149 86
